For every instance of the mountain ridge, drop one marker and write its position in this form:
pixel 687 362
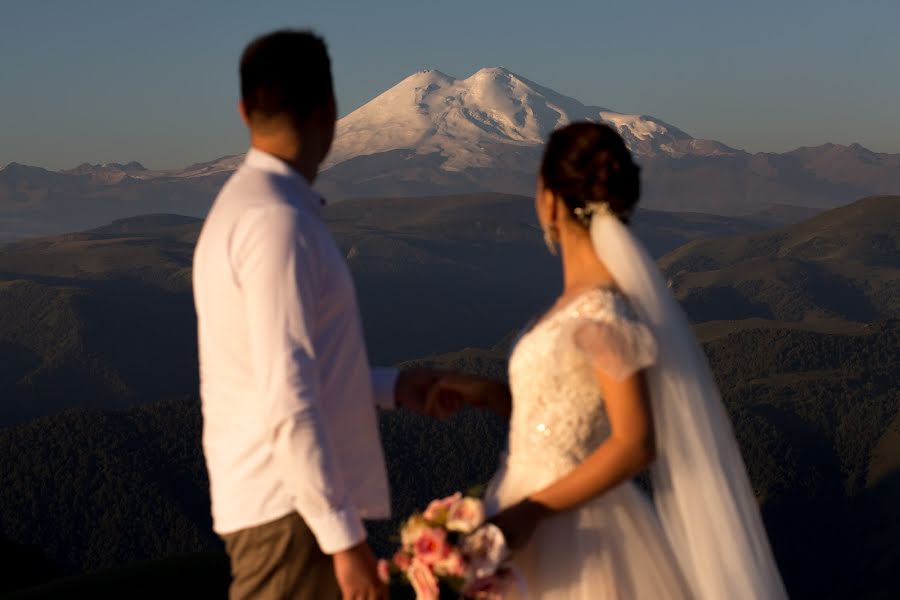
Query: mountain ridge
pixel 844 263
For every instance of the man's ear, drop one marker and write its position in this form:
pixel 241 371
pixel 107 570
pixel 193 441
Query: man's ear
pixel 242 109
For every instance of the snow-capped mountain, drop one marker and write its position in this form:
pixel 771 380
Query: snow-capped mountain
pixel 432 135
pixel 109 173
pixel 463 121
pixel 112 173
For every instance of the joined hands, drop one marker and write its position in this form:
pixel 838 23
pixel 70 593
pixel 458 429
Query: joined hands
pixel 441 394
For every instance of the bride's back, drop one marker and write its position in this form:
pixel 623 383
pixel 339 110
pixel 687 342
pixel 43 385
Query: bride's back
pixel 558 416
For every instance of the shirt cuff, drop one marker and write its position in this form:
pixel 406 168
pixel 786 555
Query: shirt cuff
pixel 338 530
pixel 384 383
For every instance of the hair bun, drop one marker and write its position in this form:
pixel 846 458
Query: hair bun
pixel 588 163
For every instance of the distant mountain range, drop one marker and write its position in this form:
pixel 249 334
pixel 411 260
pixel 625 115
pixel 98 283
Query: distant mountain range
pixel 432 134
pixel 35 201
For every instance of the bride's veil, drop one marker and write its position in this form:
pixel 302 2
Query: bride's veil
pixel 700 485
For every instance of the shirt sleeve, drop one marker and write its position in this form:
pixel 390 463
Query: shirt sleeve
pixel 384 382
pixel 279 276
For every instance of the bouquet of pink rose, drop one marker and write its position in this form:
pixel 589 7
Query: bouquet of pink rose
pixel 449 551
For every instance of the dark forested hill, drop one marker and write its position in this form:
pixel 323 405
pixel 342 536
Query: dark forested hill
pixel 105 318
pixel 94 489
pixel 843 264
pixel 816 414
pixel 800 324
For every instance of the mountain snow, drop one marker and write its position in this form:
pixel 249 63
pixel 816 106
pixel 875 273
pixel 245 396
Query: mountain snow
pixel 464 119
pixel 226 164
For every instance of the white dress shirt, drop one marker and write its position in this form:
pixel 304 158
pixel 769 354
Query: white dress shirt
pixel 289 417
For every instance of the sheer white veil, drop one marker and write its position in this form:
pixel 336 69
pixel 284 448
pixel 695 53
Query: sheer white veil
pixel 701 489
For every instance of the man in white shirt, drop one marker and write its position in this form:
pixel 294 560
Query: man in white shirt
pixel 290 428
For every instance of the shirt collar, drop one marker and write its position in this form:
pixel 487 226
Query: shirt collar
pixel 263 161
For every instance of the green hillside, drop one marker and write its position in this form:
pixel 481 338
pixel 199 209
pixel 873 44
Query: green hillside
pixel 843 264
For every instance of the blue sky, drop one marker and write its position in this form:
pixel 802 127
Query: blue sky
pixel 93 81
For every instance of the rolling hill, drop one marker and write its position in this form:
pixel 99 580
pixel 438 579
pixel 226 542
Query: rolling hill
pixel 843 264
pixel 100 314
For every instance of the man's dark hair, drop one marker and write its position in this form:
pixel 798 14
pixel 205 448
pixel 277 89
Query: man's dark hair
pixel 286 73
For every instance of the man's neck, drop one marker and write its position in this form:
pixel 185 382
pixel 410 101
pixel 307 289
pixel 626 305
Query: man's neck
pixel 288 147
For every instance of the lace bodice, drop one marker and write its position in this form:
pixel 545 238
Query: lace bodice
pixel 558 416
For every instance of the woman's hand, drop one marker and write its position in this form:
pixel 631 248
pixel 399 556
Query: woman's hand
pixel 519 521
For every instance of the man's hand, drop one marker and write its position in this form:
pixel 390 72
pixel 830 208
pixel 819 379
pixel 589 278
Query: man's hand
pixel 454 390
pixel 357 574
pixel 413 388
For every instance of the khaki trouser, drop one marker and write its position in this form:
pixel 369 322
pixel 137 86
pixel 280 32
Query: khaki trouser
pixel 280 560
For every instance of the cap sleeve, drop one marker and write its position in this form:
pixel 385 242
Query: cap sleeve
pixel 619 347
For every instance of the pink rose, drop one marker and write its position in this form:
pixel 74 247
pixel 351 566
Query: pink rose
pixel 423 581
pixel 465 515
pixel 436 513
pixel 384 571
pixel 431 547
pixel 414 527
pixel 402 561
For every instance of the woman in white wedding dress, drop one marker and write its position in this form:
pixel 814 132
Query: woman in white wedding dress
pixel 607 383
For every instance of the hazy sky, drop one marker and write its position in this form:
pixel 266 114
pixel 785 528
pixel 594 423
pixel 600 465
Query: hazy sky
pixel 155 81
